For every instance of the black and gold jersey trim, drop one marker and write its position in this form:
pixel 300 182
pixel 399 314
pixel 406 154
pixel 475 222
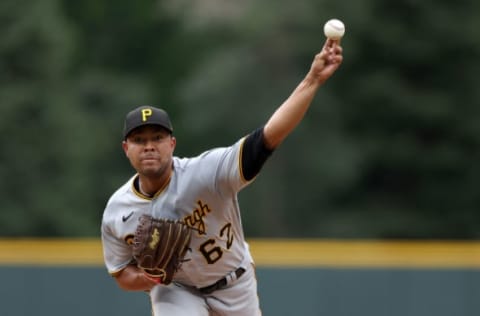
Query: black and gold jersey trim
pixel 254 153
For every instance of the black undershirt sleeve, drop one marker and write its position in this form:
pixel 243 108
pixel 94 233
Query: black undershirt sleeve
pixel 254 154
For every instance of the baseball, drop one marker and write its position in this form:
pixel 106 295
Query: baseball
pixel 334 29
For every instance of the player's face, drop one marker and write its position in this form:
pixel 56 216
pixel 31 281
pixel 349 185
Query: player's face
pixel 150 150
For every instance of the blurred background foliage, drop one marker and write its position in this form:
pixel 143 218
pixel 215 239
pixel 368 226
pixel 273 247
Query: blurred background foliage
pixel 389 149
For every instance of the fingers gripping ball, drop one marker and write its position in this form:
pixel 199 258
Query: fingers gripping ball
pixel 159 246
pixel 334 29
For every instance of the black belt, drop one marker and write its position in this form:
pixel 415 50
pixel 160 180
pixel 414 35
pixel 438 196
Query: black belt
pixel 220 283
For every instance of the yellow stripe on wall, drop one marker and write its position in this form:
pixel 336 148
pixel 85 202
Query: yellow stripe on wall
pixel 269 253
pixel 375 254
pixel 51 252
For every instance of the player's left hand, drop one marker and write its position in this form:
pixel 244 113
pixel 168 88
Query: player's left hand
pixel 151 278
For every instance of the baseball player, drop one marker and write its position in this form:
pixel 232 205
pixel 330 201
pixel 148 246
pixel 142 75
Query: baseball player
pixel 217 276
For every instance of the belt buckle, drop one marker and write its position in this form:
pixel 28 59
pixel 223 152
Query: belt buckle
pixel 221 283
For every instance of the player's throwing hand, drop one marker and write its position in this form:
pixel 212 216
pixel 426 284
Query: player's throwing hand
pixel 327 61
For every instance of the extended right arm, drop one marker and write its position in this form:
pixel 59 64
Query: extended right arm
pixel 291 112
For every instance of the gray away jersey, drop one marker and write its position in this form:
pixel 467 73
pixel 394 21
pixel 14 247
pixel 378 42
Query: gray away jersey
pixel 202 191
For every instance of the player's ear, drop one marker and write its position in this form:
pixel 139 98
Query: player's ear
pixel 173 142
pixel 125 147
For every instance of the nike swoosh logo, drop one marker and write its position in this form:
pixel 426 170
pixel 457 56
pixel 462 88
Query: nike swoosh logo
pixel 125 218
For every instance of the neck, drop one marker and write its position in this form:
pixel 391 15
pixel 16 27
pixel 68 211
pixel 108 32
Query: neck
pixel 149 186
pixel 144 192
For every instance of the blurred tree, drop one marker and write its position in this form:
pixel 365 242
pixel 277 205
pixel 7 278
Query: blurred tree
pixel 34 54
pixel 58 121
pixel 388 149
pixel 415 116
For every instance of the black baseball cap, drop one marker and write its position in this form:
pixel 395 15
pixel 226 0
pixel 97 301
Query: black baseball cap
pixel 146 115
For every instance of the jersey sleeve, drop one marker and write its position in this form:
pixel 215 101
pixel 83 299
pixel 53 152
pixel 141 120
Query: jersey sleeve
pixel 237 165
pixel 116 253
pixel 254 154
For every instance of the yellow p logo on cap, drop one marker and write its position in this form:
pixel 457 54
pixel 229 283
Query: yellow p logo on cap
pixel 145 114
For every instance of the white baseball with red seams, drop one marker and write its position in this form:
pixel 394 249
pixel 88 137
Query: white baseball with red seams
pixel 334 29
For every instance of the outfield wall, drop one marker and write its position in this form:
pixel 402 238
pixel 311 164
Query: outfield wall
pixel 296 277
